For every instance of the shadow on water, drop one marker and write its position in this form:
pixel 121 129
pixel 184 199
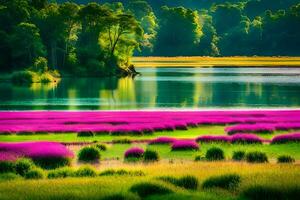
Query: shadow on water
pixel 162 88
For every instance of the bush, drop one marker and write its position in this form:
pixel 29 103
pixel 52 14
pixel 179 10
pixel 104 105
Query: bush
pixel 52 162
pixel 60 173
pixel 199 158
pixel 134 153
pixel 23 166
pixel 47 78
pixel 180 145
pixel 229 182
pixel 89 154
pixel 9 176
pixel 40 64
pixel 85 134
pixel 187 182
pixel 214 153
pixel 147 189
pixel 101 147
pixel 122 141
pixel 285 159
pixel 121 172
pixel 25 133
pixel 271 193
pixel 151 156
pixel 85 171
pixel 238 155
pixel 115 197
pixel 24 77
pixel 256 157
pixel 6 167
pixel 35 173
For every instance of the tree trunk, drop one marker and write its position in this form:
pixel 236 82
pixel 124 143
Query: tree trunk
pixel 53 55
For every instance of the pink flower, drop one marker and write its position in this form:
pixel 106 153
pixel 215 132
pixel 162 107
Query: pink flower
pixel 185 145
pixel 134 152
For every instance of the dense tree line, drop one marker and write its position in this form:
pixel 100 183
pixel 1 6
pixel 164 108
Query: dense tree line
pixel 92 39
pixel 98 38
pixel 221 27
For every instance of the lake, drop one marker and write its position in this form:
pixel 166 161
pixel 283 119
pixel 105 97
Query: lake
pixel 163 88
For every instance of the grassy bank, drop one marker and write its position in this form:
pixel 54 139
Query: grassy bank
pixel 72 137
pixel 216 61
pixel 280 176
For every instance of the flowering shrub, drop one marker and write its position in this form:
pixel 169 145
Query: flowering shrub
pixel 134 152
pixel 285 138
pixel 213 138
pixel 184 145
pixel 246 139
pixel 254 128
pixel 162 140
pixel 44 154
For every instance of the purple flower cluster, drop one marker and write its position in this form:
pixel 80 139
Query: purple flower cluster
pixel 286 138
pixel 246 139
pixel 213 138
pixel 162 140
pixel 134 152
pixel 131 122
pixel 252 128
pixel 34 150
pixel 236 138
pixel 184 145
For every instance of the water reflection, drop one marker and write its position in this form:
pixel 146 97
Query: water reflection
pixel 162 88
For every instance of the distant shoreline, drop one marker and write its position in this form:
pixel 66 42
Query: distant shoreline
pixel 236 61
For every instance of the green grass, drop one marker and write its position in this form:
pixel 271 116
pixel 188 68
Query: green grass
pixel 72 137
pixel 164 151
pixel 176 164
pixel 96 188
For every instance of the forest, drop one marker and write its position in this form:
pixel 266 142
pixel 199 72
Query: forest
pixel 98 38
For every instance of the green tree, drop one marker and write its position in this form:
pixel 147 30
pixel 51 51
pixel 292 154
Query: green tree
pixel 179 33
pixel 148 21
pixel 26 45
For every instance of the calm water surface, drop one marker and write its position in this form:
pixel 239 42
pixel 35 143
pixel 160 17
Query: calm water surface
pixel 188 88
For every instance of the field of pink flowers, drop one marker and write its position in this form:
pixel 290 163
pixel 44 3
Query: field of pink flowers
pixel 33 150
pixel 145 122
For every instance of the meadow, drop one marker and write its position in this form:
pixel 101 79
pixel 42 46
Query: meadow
pixel 122 155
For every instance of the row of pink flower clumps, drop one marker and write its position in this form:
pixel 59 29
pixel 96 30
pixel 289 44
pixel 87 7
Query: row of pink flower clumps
pixel 143 122
pixel 236 138
pixel 33 150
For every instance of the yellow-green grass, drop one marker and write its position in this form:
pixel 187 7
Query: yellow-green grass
pixel 280 176
pixel 197 61
pixel 72 137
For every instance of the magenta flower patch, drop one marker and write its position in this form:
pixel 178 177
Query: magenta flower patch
pixel 184 145
pixel 286 138
pixel 246 139
pixel 134 152
pixel 162 140
pixel 213 138
pixel 34 150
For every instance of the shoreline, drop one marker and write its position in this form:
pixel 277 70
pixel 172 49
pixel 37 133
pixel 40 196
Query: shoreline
pixel 233 62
